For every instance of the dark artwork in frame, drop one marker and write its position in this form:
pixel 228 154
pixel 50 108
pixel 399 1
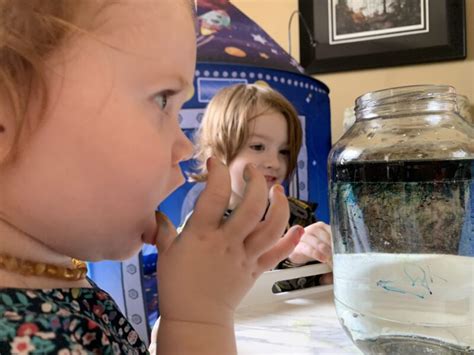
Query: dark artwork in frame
pixel 340 35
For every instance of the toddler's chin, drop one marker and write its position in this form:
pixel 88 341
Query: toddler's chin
pixel 131 252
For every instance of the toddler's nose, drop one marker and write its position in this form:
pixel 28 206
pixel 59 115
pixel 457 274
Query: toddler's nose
pixel 183 148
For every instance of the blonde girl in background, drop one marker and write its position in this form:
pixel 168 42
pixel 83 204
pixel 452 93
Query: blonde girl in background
pixel 254 124
pixel 89 146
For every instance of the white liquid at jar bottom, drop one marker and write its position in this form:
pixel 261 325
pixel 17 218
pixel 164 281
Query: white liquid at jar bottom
pixel 406 303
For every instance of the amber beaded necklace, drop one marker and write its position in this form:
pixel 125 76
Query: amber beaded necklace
pixel 77 271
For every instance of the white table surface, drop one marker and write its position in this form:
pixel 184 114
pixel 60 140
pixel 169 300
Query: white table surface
pixel 304 325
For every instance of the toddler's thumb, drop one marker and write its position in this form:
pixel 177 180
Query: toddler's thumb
pixel 165 232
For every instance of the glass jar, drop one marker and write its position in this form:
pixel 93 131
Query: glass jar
pixel 402 217
pixel 465 108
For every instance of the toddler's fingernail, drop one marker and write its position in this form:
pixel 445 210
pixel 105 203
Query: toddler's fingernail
pixel 164 223
pixel 279 188
pixel 209 163
pixel 299 231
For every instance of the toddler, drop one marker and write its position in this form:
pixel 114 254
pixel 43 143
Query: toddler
pixel 89 145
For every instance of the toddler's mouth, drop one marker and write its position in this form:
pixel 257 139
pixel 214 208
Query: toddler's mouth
pixel 163 226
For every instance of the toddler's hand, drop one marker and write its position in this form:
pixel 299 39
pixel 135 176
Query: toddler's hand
pixel 205 271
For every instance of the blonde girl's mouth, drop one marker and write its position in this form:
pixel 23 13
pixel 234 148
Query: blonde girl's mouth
pixel 271 179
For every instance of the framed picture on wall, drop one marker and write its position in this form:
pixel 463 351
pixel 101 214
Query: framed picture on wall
pixel 339 35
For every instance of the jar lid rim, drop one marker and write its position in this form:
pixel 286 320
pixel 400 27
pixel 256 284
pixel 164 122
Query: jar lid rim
pixel 402 93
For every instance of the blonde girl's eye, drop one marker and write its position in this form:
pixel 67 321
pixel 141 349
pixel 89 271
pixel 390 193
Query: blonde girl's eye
pixel 161 99
pixel 257 147
pixel 285 152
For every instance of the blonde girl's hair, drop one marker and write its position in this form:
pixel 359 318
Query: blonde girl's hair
pixel 225 125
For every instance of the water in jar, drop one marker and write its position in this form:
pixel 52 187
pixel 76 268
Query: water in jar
pixel 404 255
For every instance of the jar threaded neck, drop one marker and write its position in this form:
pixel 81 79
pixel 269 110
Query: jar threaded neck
pixel 406 100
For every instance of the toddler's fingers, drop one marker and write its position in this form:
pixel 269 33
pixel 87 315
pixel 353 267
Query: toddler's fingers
pixel 273 227
pixel 283 247
pixel 252 207
pixel 214 199
pixel 166 232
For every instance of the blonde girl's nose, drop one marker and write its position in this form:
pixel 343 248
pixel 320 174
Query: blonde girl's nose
pixel 272 160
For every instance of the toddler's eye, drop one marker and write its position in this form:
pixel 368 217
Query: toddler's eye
pixel 285 152
pixel 161 99
pixel 257 147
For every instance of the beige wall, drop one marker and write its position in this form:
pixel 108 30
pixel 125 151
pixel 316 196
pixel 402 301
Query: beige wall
pixel 273 16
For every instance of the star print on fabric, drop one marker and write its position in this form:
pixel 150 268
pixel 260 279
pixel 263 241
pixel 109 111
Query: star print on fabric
pixel 297 65
pixel 226 35
pixel 258 38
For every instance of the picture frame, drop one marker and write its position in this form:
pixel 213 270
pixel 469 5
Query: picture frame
pixel 336 36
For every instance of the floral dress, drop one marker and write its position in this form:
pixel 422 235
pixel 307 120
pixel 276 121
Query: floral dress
pixel 64 321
